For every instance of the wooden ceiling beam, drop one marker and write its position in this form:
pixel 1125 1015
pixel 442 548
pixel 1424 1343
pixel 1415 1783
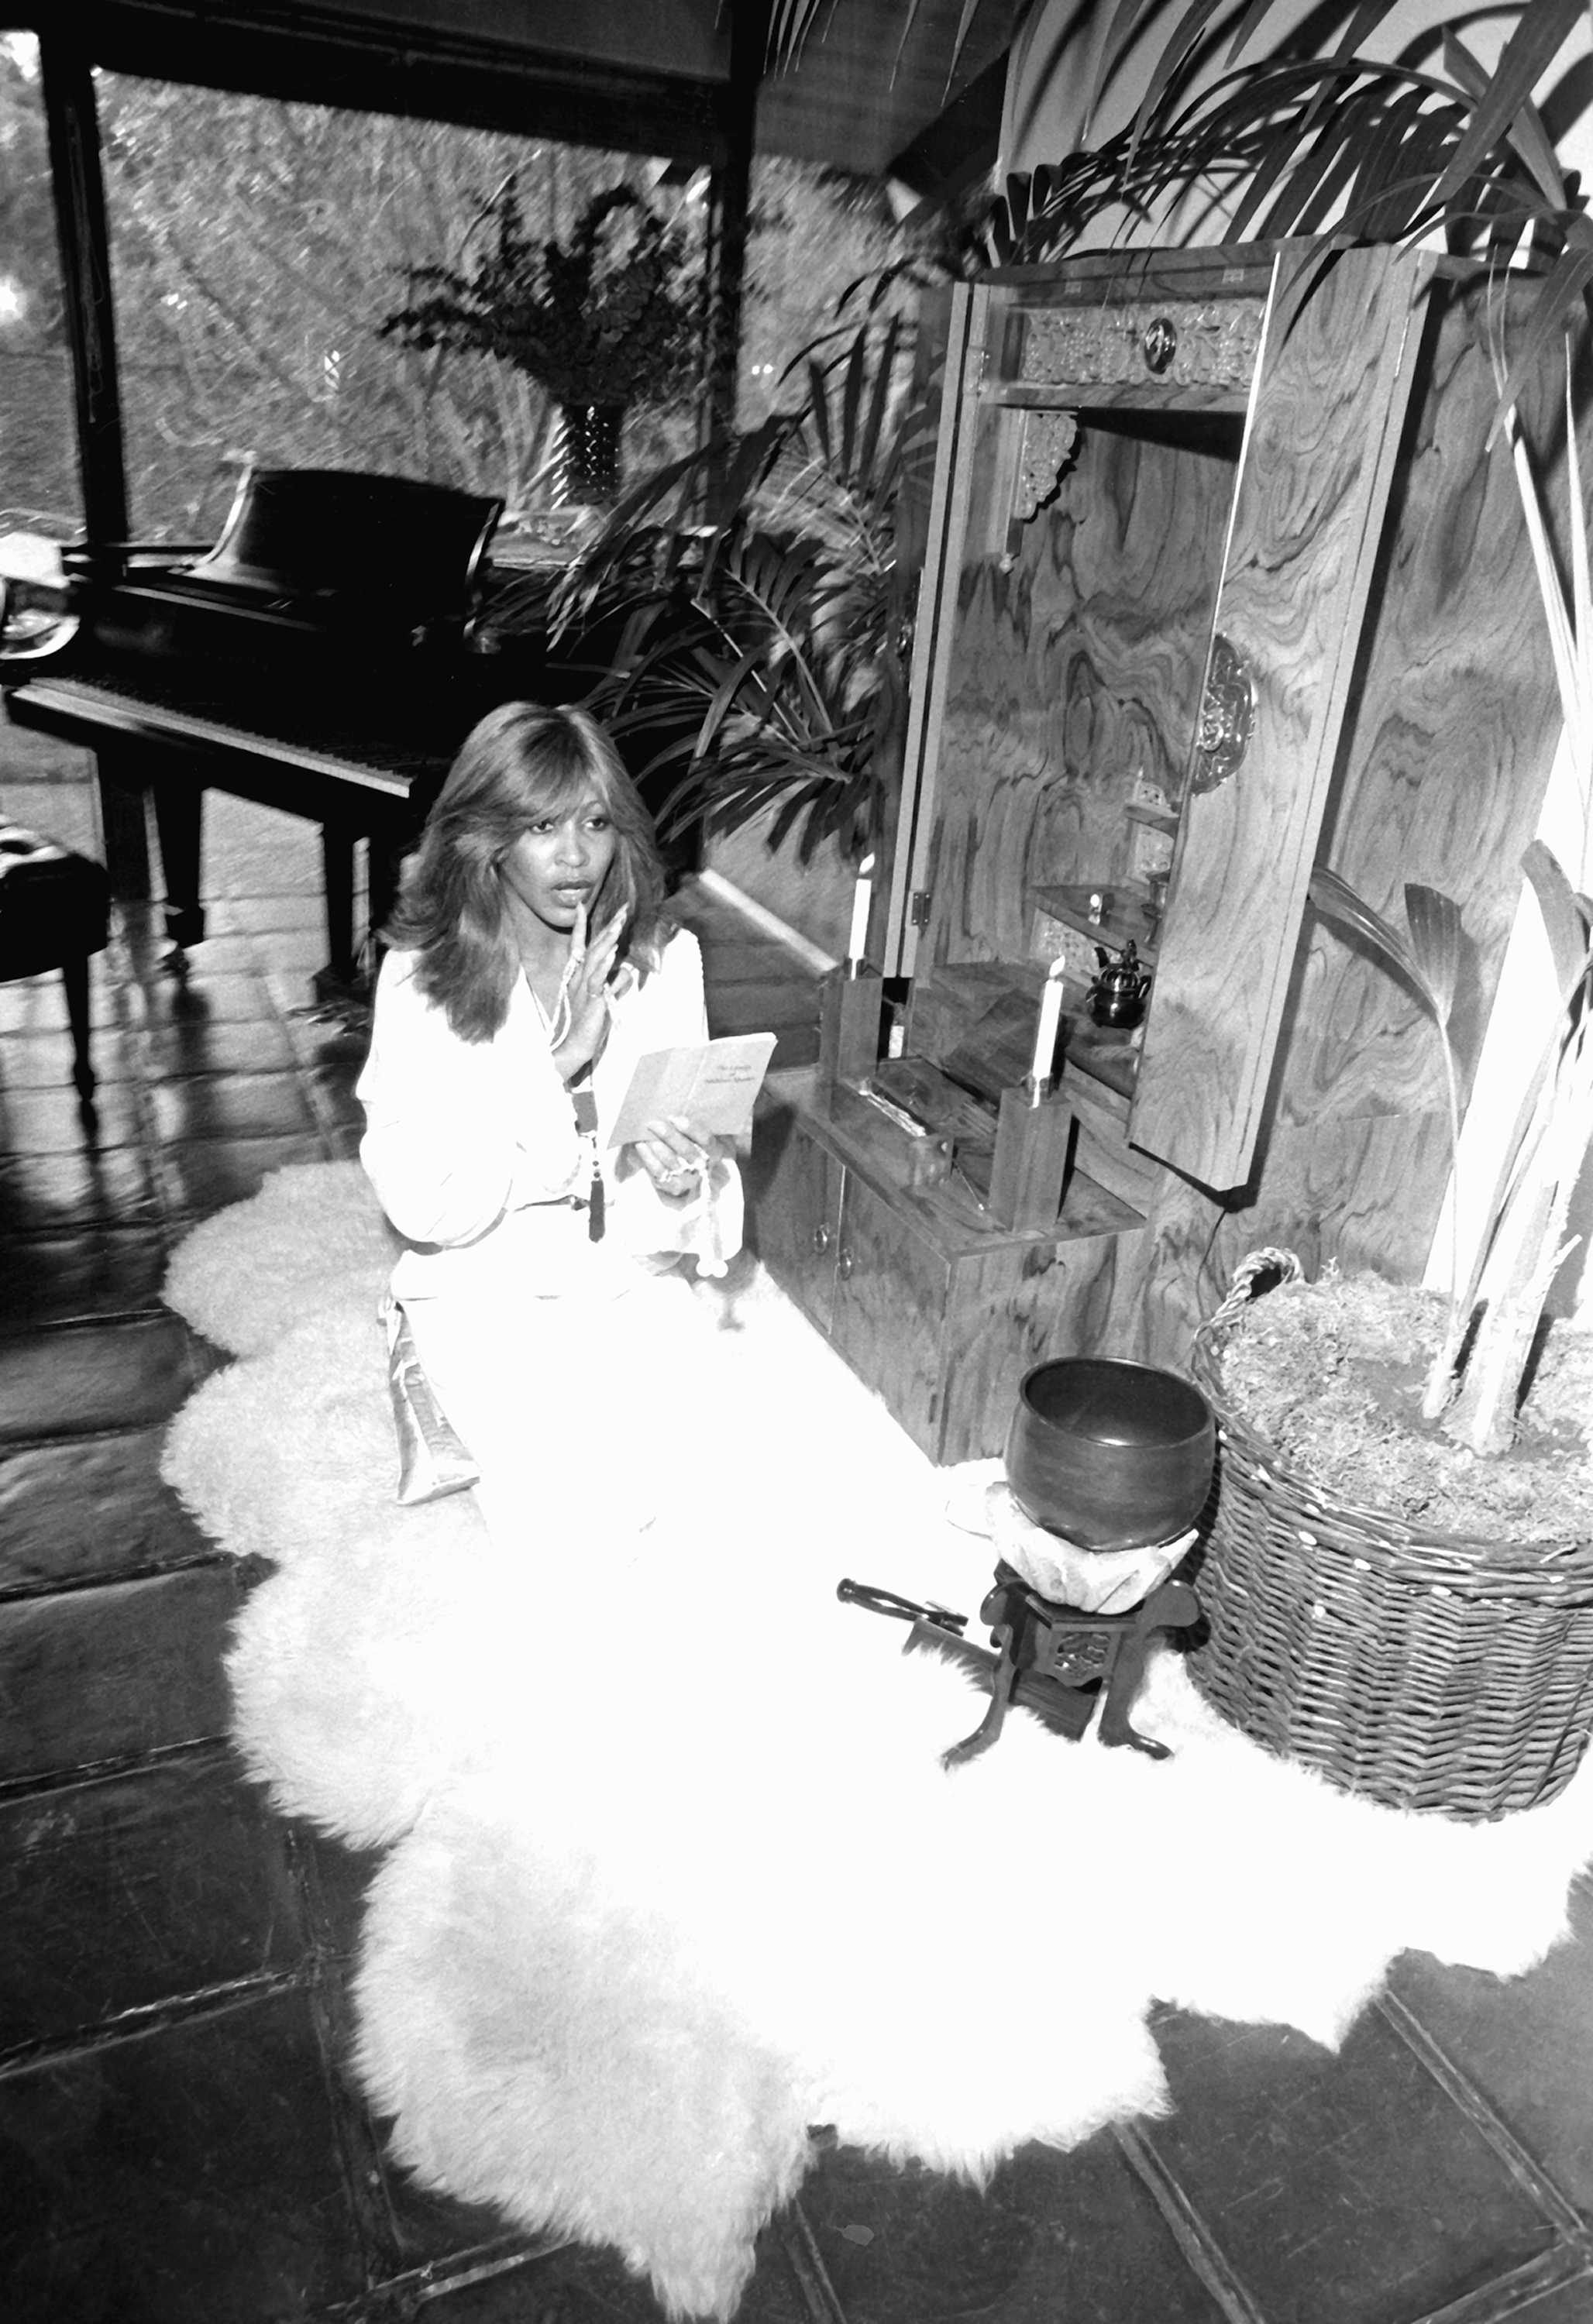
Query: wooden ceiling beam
pixel 879 78
pixel 415 69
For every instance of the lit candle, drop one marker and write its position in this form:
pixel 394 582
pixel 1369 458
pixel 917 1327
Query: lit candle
pixel 858 942
pixel 1050 1019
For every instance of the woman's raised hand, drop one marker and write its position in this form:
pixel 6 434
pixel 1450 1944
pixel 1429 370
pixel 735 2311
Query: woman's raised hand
pixel 586 989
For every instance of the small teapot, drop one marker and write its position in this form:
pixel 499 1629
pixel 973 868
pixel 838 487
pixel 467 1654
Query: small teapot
pixel 1117 996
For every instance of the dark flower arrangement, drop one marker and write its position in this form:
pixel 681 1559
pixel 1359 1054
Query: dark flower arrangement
pixel 600 322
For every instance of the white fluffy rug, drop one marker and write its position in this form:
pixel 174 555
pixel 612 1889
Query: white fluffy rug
pixel 673 1870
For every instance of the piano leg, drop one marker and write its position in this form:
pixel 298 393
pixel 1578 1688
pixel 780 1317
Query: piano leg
pixel 180 806
pixel 123 786
pixel 388 850
pixel 346 976
pixel 339 980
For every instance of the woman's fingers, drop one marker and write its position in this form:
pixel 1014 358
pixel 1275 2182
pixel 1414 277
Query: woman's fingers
pixel 604 945
pixel 670 1160
pixel 677 1143
pixel 591 964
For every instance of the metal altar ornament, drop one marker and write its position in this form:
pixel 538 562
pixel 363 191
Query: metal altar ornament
pixel 1117 996
pixel 1227 717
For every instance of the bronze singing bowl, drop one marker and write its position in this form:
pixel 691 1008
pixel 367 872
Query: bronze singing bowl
pixel 1109 1454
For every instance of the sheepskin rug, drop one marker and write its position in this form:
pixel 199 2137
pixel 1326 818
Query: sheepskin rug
pixel 673 1872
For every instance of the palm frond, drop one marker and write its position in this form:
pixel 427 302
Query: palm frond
pixel 1565 921
pixel 1557 615
pixel 1336 900
pixel 1437 942
pixel 758 662
pixel 793 24
pixel 1525 131
pixel 1542 32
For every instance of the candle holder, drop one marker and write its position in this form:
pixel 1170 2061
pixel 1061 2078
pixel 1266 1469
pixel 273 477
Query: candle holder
pixel 1033 1132
pixel 851 998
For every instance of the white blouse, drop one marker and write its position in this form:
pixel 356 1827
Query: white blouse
pixel 473 1153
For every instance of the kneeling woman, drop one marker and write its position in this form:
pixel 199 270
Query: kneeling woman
pixel 532 962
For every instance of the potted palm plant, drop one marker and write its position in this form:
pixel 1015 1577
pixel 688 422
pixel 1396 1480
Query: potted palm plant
pixel 600 323
pixel 754 660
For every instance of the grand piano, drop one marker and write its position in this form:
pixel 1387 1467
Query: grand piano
pixel 323 657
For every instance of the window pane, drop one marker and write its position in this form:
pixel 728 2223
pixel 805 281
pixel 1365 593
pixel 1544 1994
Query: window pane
pixel 39 481
pixel 257 247
pixel 813 236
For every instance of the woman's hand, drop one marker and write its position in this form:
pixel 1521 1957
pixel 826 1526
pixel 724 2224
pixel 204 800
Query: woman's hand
pixel 672 1159
pixel 586 988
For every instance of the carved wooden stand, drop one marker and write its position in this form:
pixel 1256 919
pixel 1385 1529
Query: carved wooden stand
pixel 1046 1656
pixel 1046 1641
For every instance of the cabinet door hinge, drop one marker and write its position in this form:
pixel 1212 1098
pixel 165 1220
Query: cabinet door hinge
pixel 919 910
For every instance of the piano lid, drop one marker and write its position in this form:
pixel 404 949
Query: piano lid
pixel 390 547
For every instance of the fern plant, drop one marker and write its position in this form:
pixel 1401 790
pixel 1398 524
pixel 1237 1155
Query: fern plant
pixel 605 320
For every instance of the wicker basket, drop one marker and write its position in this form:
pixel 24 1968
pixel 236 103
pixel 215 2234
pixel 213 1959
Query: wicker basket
pixel 1423 1670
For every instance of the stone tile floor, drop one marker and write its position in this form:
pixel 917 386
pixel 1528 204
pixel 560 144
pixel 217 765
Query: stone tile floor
pixel 181 2142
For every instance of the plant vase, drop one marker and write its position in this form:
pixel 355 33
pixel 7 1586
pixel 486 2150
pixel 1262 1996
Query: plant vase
pixel 587 455
pixel 1421 1669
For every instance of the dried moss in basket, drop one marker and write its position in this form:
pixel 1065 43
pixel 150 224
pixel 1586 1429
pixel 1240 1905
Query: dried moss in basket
pixel 1330 1373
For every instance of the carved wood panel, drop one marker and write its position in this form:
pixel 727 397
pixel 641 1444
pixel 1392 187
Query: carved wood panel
pixel 1182 343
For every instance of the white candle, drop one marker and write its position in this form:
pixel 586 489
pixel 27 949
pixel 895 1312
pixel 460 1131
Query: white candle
pixel 1050 1018
pixel 858 942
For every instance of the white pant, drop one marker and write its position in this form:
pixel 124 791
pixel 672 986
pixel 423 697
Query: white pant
pixel 583 1413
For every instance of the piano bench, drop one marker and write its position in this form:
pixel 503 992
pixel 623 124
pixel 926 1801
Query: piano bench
pixel 54 914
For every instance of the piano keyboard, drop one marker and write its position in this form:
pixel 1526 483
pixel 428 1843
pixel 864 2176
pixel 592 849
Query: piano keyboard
pixel 352 748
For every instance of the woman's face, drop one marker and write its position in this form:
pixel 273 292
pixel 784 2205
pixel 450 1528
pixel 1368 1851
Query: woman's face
pixel 561 862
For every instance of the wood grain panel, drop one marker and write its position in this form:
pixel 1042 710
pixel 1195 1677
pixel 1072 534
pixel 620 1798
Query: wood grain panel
pixel 1361 1193
pixel 925 522
pixel 1164 1278
pixel 1008 1311
pixel 890 1310
pixel 1450 751
pixel 794 1190
pixel 1101 1147
pixel 1070 675
pixel 1306 521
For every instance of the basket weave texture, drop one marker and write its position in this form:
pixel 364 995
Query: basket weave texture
pixel 1423 1670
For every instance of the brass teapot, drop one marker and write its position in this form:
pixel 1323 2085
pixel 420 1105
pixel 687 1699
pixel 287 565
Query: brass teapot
pixel 1119 994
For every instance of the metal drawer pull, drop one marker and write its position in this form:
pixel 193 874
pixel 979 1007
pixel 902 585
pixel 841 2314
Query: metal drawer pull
pixel 821 1239
pixel 844 1264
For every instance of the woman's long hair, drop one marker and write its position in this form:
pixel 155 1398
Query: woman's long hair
pixel 523 760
